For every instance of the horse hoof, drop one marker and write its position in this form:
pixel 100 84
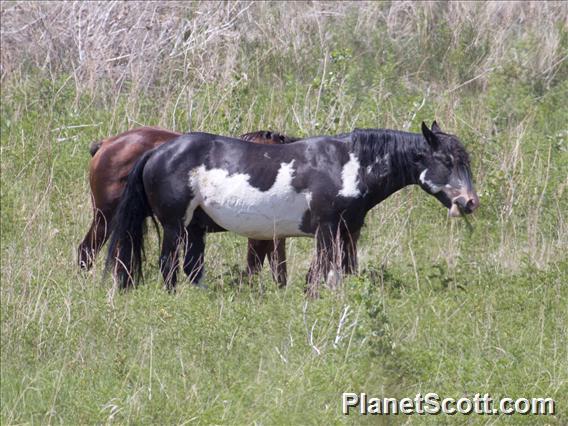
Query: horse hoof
pixel 201 286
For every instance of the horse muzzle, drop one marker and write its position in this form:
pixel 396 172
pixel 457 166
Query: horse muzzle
pixel 464 204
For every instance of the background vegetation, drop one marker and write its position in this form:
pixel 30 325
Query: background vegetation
pixel 435 308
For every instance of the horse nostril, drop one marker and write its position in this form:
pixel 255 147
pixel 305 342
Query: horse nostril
pixel 471 205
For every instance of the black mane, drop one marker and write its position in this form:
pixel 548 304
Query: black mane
pixel 392 149
pixel 370 144
pixel 266 134
pixel 402 147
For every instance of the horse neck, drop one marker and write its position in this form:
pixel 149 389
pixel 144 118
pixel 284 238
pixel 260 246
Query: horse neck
pixel 392 167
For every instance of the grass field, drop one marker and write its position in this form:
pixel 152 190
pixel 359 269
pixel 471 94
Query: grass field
pixel 435 307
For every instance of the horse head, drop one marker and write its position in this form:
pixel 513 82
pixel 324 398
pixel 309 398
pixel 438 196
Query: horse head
pixel 445 171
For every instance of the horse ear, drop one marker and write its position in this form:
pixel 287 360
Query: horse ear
pixel 435 127
pixel 429 136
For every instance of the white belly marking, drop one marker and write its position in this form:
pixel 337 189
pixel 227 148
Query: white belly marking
pixel 233 203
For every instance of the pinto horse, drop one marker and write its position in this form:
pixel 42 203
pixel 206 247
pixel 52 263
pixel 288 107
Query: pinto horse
pixel 320 187
pixel 114 158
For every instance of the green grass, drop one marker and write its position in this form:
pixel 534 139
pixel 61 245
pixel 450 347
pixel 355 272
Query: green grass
pixel 435 307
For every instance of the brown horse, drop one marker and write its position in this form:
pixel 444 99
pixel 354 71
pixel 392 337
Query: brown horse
pixel 114 158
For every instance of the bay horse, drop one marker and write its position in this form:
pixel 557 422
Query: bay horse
pixel 320 187
pixel 114 158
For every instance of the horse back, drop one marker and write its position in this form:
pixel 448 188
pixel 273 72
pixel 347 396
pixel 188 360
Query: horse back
pixel 260 191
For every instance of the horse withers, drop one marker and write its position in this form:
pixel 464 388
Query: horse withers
pixel 320 187
pixel 114 158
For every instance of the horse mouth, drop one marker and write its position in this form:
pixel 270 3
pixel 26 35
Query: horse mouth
pixel 461 207
pixel 455 211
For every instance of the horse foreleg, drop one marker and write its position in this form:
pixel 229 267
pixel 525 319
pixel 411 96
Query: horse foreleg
pixel 169 256
pixel 194 261
pixel 256 253
pixel 322 264
pixel 94 239
pixel 277 261
pixel 349 253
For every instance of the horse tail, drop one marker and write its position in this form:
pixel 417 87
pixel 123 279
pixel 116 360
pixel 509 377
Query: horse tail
pixel 95 147
pixel 128 228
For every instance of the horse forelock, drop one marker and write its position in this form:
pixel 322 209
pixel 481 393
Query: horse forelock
pixel 459 152
pixel 453 146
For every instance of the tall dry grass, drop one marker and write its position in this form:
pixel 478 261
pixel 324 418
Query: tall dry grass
pixel 145 42
pixel 176 50
pixel 434 306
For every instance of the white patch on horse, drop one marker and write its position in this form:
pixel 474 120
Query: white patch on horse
pixel 309 200
pixel 192 205
pixel 381 166
pixel 384 164
pixel 429 184
pixel 233 203
pixel 384 161
pixel 350 178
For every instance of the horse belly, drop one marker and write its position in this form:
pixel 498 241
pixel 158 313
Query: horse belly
pixel 236 205
pixel 266 219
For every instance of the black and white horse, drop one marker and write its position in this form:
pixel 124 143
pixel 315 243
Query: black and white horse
pixel 320 187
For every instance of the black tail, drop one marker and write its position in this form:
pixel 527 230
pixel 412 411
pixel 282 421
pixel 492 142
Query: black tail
pixel 128 228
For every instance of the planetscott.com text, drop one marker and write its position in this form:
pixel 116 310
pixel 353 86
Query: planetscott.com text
pixel 432 403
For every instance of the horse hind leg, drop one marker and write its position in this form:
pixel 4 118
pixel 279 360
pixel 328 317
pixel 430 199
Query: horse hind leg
pixel 277 261
pixel 175 221
pixel 169 257
pixel 94 239
pixel 194 261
